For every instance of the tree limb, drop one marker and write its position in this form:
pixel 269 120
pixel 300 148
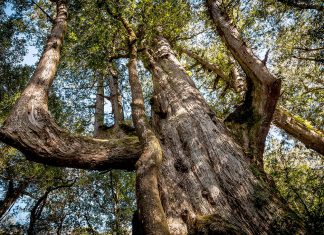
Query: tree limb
pixel 208 66
pixel 47 15
pixel 294 126
pixel 251 120
pixel 31 129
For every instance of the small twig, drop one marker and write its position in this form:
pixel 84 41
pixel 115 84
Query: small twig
pixel 48 16
pixel 309 49
pixel 264 61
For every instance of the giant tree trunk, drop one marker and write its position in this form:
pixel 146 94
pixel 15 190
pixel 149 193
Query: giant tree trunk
pixel 203 184
pixel 207 184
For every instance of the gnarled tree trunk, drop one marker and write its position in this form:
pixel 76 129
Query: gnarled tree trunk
pixel 207 185
pixel 203 183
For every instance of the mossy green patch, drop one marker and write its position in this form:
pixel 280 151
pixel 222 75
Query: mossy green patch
pixel 215 224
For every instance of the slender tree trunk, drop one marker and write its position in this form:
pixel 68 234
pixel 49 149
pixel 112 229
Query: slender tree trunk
pixel 12 194
pixel 60 225
pixel 207 185
pixel 149 205
pixel 147 167
pixel 37 209
pixel 99 106
pixel 114 184
pixel 115 97
pixel 36 212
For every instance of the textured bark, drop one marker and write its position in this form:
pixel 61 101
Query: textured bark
pixel 11 196
pixel 151 215
pixel 250 122
pixel 30 128
pixel 99 106
pixel 151 212
pixel 237 81
pixel 298 128
pixel 207 185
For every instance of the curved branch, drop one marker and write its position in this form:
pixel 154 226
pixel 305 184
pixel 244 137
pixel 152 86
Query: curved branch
pixel 37 209
pixel 31 129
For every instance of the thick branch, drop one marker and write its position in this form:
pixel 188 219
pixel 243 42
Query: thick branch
pixel 251 120
pixel 30 128
pixel 300 129
pixel 296 127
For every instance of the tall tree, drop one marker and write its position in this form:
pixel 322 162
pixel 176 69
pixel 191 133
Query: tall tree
pixel 193 174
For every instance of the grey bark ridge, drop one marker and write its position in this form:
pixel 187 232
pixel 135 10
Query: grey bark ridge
pixel 207 185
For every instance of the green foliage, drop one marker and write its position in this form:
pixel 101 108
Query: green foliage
pixel 299 180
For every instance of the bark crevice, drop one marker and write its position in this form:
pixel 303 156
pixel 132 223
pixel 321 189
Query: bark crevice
pixel 204 171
